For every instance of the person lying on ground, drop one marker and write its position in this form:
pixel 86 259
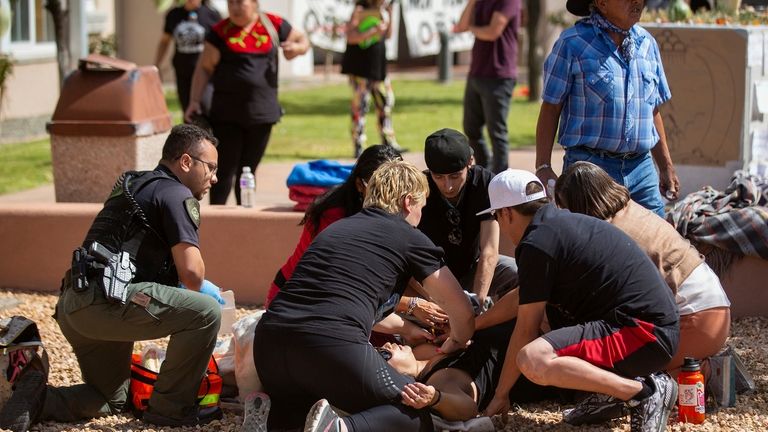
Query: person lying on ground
pixel 459 386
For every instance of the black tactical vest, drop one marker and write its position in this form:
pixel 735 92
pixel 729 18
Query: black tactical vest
pixel 122 226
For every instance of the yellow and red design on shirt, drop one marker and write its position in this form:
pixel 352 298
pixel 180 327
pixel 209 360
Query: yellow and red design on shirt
pixel 241 40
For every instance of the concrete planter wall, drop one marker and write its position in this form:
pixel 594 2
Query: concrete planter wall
pixel 713 123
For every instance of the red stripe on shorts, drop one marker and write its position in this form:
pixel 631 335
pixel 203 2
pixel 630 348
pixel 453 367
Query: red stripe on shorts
pixel 609 350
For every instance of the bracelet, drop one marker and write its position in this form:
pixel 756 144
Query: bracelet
pixel 412 305
pixel 542 166
pixel 439 396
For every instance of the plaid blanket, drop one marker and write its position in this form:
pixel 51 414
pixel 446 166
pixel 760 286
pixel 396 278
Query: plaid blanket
pixel 726 225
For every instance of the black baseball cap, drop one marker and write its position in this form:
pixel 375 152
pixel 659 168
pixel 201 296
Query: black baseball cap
pixel 447 151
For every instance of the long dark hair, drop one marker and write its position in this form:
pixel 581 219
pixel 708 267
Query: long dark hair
pixel 346 194
pixel 585 188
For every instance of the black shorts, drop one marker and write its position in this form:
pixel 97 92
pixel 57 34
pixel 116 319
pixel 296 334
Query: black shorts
pixel 635 348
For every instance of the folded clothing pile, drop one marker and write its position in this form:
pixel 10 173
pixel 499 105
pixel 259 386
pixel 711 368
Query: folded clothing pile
pixel 308 180
pixel 726 225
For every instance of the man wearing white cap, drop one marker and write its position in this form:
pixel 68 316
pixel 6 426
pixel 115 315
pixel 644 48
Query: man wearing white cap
pixel 613 319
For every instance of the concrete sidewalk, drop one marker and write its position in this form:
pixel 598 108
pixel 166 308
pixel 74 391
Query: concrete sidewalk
pixel 271 190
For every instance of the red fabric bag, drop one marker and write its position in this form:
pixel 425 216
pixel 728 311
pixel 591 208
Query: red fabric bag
pixel 143 382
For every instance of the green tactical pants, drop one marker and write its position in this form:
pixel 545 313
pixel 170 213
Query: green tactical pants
pixel 102 336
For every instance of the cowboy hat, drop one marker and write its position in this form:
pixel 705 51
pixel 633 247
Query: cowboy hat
pixel 578 7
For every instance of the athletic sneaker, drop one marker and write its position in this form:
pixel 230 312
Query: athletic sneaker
pixel 651 413
pixel 477 424
pixel 595 408
pixel 322 418
pixel 26 403
pixel 256 412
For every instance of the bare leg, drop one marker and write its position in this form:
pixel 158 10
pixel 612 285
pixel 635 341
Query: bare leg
pixel 540 364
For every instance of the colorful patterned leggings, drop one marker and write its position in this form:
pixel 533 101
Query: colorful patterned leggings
pixel 384 100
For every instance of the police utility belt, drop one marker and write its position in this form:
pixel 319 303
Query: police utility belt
pixel 116 270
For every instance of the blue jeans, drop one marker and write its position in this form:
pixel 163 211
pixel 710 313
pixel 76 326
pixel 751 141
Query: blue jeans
pixel 638 175
pixel 486 103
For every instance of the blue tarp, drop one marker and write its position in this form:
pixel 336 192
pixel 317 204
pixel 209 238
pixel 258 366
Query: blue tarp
pixel 323 173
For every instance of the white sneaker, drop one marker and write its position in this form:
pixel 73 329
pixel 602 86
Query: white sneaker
pixel 322 418
pixel 256 412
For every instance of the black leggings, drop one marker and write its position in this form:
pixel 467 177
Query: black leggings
pixel 239 146
pixel 297 369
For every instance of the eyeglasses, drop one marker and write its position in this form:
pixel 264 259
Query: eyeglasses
pixel 385 353
pixel 212 167
pixel 454 218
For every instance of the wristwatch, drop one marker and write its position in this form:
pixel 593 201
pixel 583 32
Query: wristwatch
pixel 412 305
pixel 542 166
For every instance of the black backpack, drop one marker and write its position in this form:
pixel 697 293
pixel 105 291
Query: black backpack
pixel 21 349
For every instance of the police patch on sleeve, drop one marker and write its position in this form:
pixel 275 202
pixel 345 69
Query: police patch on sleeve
pixel 193 210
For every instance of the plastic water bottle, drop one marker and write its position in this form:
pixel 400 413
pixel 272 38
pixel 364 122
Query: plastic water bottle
pixel 247 188
pixel 691 392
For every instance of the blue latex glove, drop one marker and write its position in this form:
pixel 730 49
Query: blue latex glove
pixel 208 288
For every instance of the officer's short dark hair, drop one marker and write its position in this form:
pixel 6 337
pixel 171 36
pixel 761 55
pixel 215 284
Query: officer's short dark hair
pixel 186 138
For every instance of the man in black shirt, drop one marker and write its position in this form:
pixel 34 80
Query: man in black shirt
pixel 614 321
pixel 458 190
pixel 150 221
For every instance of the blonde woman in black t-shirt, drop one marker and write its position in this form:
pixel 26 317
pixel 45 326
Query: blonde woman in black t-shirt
pixel 316 330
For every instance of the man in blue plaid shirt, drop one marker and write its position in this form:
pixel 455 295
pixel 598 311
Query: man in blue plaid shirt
pixel 603 84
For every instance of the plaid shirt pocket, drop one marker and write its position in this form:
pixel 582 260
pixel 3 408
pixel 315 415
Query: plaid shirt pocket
pixel 598 80
pixel 650 83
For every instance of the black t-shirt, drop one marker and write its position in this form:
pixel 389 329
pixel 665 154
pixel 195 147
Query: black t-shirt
pixel 587 270
pixel 444 230
pixel 188 29
pixel 245 79
pixel 165 204
pixel 367 59
pixel 350 269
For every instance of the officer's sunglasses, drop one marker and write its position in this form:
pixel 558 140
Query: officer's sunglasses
pixel 212 167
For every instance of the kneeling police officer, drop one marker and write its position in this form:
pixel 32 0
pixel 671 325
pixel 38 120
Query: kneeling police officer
pixel 127 284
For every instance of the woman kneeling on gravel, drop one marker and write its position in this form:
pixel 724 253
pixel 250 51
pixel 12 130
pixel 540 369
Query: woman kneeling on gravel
pixel 313 339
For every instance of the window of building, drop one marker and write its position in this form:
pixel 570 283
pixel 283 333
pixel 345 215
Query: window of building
pixel 32 34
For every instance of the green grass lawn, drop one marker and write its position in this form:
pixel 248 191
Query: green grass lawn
pixel 316 126
pixel 25 165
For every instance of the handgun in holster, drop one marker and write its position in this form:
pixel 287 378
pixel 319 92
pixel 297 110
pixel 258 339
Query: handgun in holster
pixel 118 271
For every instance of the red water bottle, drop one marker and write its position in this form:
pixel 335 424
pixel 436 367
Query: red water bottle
pixel 690 400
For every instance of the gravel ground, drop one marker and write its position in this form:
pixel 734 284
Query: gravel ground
pixel 750 338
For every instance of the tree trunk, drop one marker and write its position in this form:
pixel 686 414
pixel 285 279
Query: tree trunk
pixel 61 29
pixel 534 50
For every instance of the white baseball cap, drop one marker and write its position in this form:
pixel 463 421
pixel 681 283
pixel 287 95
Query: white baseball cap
pixel 507 189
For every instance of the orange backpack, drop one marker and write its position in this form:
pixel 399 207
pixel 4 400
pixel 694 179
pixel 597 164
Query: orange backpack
pixel 143 382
